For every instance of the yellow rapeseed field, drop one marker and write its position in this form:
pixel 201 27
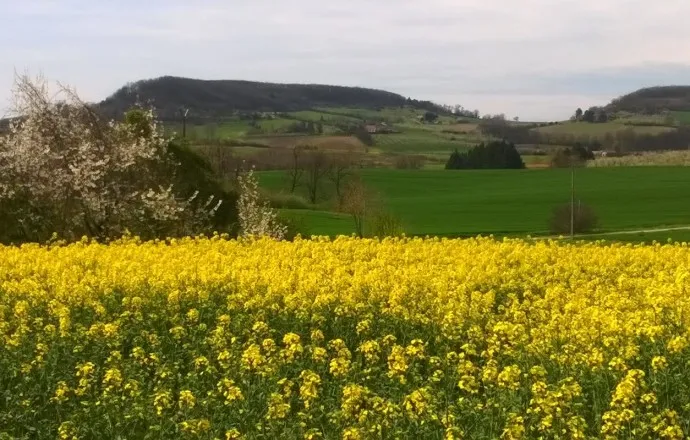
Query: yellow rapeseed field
pixel 347 338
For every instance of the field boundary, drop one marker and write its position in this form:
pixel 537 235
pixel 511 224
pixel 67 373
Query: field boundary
pixel 621 232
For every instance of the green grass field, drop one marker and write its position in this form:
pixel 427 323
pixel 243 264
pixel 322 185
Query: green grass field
pixel 316 116
pixel 236 129
pixel 420 142
pixel 319 222
pixel 223 130
pixel 683 118
pixel 452 203
pixel 391 114
pixel 275 125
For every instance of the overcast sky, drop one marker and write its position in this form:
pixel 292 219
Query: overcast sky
pixel 537 59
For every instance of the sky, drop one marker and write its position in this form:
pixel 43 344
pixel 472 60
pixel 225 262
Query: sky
pixel 535 59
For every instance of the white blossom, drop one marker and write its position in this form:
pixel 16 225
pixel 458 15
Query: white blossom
pixel 257 218
pixel 64 170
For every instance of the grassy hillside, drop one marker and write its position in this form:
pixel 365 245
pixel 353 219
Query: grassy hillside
pixel 517 202
pixel 419 142
pixel 403 133
pixel 251 114
pixel 221 98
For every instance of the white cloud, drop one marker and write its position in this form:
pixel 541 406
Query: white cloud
pixel 486 54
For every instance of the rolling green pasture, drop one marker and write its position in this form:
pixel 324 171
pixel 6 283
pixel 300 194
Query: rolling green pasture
pixel 317 116
pixel 275 125
pixel 420 142
pixel 233 129
pixel 456 203
pixel 390 114
pixel 223 130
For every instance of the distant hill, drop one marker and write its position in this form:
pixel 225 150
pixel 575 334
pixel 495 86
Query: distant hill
pixel 653 100
pixel 208 99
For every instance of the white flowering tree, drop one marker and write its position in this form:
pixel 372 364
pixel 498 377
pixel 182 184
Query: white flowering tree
pixel 257 218
pixel 63 169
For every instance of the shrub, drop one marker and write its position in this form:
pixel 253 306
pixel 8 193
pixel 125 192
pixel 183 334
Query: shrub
pixel 409 162
pixel 577 156
pixel 585 219
pixel 386 225
pixel 563 159
pixel 257 218
pixel 65 170
pixel 364 136
pixel 294 226
pixel 193 174
pixel 288 201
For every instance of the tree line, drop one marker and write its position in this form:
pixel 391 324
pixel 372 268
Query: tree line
pixel 220 98
pixel 592 115
pixel 653 100
pixel 493 155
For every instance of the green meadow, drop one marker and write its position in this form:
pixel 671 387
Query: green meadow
pixel 460 203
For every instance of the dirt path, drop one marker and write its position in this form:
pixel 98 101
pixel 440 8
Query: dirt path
pixel 643 231
pixel 625 232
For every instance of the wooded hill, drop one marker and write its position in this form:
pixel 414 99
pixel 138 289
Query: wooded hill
pixel 653 100
pixel 210 99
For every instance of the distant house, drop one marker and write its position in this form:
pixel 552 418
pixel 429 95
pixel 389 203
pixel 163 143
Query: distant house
pixel 381 128
pixel 604 153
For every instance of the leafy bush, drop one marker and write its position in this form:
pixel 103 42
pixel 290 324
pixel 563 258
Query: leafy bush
pixel 584 220
pixel 194 174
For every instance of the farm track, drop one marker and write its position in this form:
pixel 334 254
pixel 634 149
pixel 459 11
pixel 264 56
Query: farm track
pixel 623 232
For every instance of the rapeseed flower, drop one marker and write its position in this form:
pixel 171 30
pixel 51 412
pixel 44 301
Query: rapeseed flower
pixel 345 338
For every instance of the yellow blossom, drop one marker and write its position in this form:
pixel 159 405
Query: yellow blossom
pixel 187 399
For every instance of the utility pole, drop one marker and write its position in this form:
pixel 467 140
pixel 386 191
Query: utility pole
pixel 184 113
pixel 572 196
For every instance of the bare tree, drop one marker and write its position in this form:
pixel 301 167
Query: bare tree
pixel 226 165
pixel 316 166
pixel 220 159
pixel 356 202
pixel 296 168
pixel 341 168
